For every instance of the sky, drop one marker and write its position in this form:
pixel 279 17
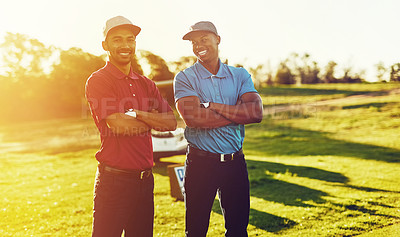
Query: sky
pixel 356 33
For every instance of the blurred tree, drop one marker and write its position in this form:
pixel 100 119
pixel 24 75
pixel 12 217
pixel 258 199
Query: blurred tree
pixel 395 72
pixel 68 80
pixel 258 75
pixel 308 70
pixel 381 72
pixel 269 73
pixel 182 63
pixel 329 76
pixel 313 75
pixel 304 69
pixel 351 77
pixel 136 66
pixel 293 63
pixel 159 70
pixel 24 61
pixel 24 56
pixel 284 75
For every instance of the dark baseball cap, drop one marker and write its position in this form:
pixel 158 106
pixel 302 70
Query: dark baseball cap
pixel 120 21
pixel 200 26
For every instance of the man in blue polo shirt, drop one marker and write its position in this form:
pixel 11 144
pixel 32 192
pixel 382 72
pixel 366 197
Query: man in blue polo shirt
pixel 215 100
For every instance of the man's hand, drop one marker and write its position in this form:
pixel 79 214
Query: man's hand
pixel 195 115
pixel 122 124
pixel 157 121
pixel 247 110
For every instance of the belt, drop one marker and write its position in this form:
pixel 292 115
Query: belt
pixel 220 157
pixel 139 174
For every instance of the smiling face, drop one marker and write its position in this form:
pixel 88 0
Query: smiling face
pixel 120 45
pixel 205 46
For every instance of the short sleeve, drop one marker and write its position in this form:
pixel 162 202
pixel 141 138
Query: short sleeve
pixel 101 97
pixel 247 83
pixel 183 87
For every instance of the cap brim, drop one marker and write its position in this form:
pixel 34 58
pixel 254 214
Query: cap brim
pixel 135 29
pixel 188 35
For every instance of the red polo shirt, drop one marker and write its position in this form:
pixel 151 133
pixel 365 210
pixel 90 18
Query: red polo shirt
pixel 109 91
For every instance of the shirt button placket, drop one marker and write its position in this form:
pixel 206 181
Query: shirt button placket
pixel 216 89
pixel 131 88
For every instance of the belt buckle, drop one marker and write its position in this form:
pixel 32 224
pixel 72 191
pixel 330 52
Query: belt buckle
pixel 222 157
pixel 144 174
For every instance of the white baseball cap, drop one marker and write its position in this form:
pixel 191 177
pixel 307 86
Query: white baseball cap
pixel 120 21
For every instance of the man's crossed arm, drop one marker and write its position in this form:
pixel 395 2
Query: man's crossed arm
pixel 247 110
pixel 123 124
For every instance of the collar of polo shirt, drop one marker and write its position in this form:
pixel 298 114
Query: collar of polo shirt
pixel 116 73
pixel 204 73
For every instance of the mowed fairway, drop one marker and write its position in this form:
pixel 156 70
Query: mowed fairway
pixel 324 171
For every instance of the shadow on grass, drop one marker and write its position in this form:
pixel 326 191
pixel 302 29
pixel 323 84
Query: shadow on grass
pixel 269 222
pixel 369 105
pixel 263 185
pixel 286 193
pixel 269 139
pixel 300 171
pixel 371 212
pixel 367 189
pixel 262 220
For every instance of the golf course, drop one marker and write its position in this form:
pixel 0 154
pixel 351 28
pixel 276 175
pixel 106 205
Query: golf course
pixel 325 161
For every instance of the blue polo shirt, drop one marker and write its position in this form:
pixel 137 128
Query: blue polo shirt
pixel 226 87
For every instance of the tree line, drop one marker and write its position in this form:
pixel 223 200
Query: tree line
pixel 302 69
pixel 45 82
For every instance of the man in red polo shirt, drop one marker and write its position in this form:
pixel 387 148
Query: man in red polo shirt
pixel 125 106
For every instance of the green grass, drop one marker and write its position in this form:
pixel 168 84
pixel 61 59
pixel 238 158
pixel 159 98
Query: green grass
pixel 331 171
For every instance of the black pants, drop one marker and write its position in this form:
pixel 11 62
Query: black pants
pixel 206 176
pixel 123 203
